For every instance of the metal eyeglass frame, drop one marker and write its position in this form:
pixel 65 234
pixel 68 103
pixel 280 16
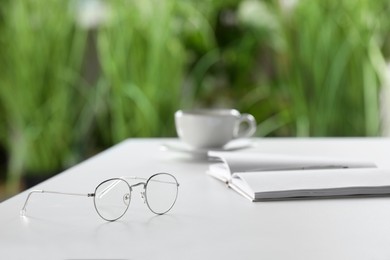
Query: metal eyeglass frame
pixel 123 178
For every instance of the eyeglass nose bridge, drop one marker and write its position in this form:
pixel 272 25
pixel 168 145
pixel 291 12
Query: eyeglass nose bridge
pixel 138 184
pixel 142 192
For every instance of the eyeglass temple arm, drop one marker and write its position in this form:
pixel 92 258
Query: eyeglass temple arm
pixel 140 178
pixel 23 211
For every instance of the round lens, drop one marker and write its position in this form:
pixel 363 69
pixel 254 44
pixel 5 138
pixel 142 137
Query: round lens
pixel 112 199
pixel 161 192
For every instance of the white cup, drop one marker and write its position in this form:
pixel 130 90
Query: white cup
pixel 212 128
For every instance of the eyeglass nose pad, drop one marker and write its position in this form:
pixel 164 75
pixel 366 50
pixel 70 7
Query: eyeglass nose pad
pixel 126 198
pixel 143 196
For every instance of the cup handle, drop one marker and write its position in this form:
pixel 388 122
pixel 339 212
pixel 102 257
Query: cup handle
pixel 251 129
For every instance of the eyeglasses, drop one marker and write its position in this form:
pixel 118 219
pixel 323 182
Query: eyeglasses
pixel 112 197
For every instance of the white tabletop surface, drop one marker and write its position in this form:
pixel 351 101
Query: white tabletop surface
pixel 208 221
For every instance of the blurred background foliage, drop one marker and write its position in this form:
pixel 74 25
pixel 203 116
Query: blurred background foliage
pixel 79 76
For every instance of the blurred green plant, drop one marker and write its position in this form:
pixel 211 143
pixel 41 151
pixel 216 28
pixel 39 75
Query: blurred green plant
pixel 332 66
pixel 39 71
pixel 237 67
pixel 142 62
pixel 254 66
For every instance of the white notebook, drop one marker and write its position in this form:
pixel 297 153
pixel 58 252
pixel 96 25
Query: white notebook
pixel 298 184
pixel 261 177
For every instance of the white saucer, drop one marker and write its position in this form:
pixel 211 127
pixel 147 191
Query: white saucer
pixel 202 153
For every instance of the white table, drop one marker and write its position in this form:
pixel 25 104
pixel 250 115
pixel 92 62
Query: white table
pixel 208 221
